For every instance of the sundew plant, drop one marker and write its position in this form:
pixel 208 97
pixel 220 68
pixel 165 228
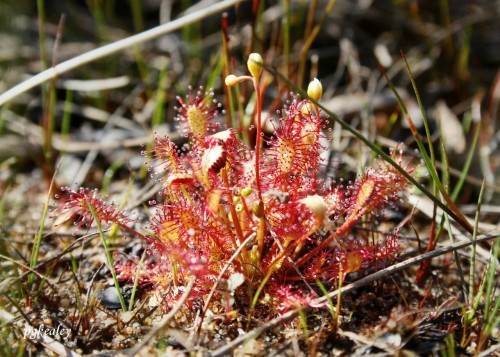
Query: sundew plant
pixel 262 220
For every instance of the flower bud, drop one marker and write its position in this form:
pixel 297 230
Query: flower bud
pixel 246 191
pixel 232 80
pixel 315 90
pixel 254 64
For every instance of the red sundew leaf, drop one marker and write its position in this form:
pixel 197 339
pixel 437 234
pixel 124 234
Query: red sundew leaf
pixel 221 150
pixel 290 221
pixel 165 159
pixel 285 155
pixel 360 207
pixel 213 200
pixel 333 201
pixel 354 262
pixel 197 114
pixel 76 205
pixel 374 191
pixel 177 179
pixel 292 159
pixel 226 136
pixel 190 224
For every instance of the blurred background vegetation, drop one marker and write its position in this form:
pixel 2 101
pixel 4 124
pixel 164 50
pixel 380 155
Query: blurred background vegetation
pixel 453 50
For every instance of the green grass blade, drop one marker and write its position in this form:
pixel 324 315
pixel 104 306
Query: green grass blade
pixel 424 116
pixel 66 119
pixel 466 167
pixel 158 115
pixel 136 281
pixel 457 258
pixel 108 256
pixel 474 237
pixel 286 37
pixel 109 173
pixel 137 16
pixel 333 311
pixel 492 282
pixel 303 322
pixel 38 238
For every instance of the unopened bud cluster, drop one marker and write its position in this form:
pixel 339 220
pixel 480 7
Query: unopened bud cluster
pixel 255 67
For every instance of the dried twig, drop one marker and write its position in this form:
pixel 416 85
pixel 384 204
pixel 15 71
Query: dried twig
pixel 164 322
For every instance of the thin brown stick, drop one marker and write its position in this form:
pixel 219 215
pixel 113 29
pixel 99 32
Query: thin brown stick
pixel 164 322
pixel 222 272
pixel 7 283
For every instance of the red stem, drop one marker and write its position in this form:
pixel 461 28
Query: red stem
pixel 258 139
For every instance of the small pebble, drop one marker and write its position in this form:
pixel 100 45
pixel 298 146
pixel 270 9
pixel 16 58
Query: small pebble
pixel 110 299
pixel 64 303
